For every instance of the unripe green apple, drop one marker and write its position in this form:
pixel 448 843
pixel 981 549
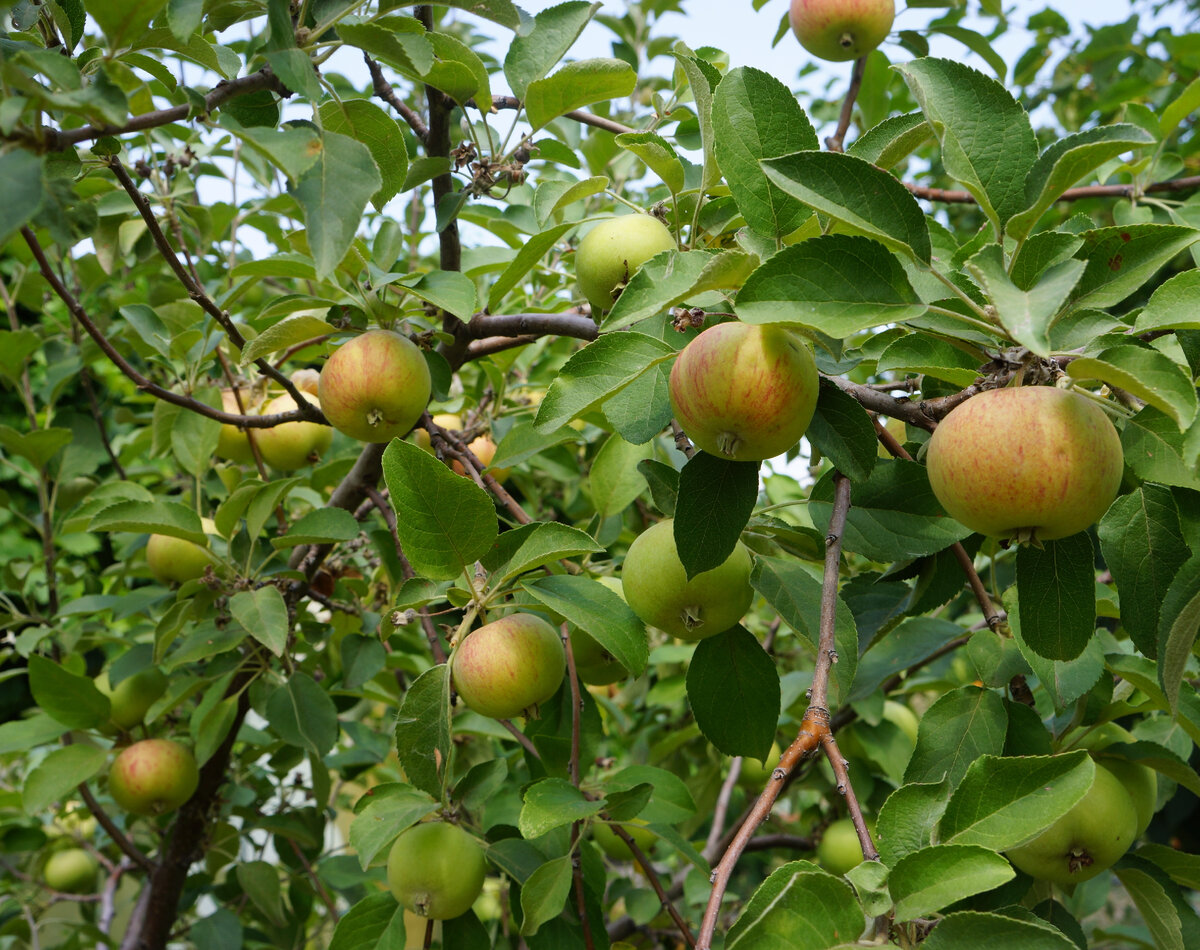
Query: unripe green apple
pixel 657 588
pixel 436 870
pixel 612 251
pixel 153 777
pixel 614 845
pixel 756 772
pixel 593 664
pixel 176 560
pixel 839 30
pixel 744 392
pixel 1087 840
pixel 71 871
pixel 131 697
pixel 839 849
pixel 902 717
pixel 375 387
pixel 1140 781
pixel 505 668
pixel 1032 463
pixel 233 443
pixel 292 445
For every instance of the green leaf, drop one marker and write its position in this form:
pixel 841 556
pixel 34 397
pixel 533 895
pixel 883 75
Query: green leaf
pixel 532 55
pixel 1067 161
pixel 599 370
pixel 544 894
pixel 361 119
pixel 374 923
pixel 642 409
pixel 1026 315
pixel 1153 447
pixel 183 17
pixel 457 70
pixel 908 818
pixel 975 42
pixel 575 85
pixel 1173 304
pixel 259 880
pixel 391 810
pixel 39 446
pixel 986 138
pixel 445 522
pixel 70 699
pixel 1149 889
pixel 1004 802
pixel 399 41
pixel 974 929
pixel 56 777
pixel 1064 681
pixel 362 658
pixel 842 432
pixel 21 183
pixel 664 484
pixel 121 20
pixel 303 715
pixel 1150 375
pixel 928 880
pixel 533 545
pixel 716 497
pixel 1122 259
pixel 957 729
pixel 599 612
pixel 659 156
pixel 1143 545
pixel 293 150
pixel 423 729
pixel 614 480
pixel 835 284
pixel 262 614
pixel 795 594
pixel 551 803
pixel 16 346
pixel 504 12
pixel 1057 587
pixel 929 355
pixel 319 526
pixel 154 517
pixel 1179 623
pixel 756 117
pixel 892 140
pixel 800 908
pixel 552 196
pixel 532 251
pixel 733 689
pixel 702 79
pixel 450 290
pixel 672 278
pixel 855 192
pixel 334 192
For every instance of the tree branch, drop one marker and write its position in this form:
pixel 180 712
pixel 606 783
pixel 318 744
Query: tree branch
pixel 577 115
pixel 1071 194
pixel 383 89
pixel 836 141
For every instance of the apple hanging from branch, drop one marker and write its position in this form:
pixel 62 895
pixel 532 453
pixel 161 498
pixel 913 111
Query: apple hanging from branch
pixel 610 252
pixel 375 386
pixel 840 30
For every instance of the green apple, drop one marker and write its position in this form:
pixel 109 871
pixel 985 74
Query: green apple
pixel 131 697
pixel 903 718
pixel 839 849
pixel 657 588
pixel 744 392
pixel 436 870
pixel 1140 781
pixel 612 251
pixel 839 30
pixel 755 772
pixel 153 777
pixel 71 871
pixel 375 387
pixel 507 667
pixel 292 445
pixel 1087 840
pixel 1031 463
pixel 615 847
pixel 233 443
pixel 177 560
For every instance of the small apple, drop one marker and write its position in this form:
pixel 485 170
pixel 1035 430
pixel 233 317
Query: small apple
pixel 505 668
pixel 233 443
pixel 903 718
pixel 839 849
pixel 484 449
pixel 839 30
pixel 71 871
pixel 593 664
pixel 657 588
pixel 153 777
pixel 614 845
pixel 1140 781
pixel 176 560
pixel 375 387
pixel 744 392
pixel 131 697
pixel 755 772
pixel 1032 463
pixel 612 251
pixel 1087 840
pixel 292 445
pixel 436 870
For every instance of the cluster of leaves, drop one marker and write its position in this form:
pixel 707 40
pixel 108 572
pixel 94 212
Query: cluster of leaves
pixel 161 240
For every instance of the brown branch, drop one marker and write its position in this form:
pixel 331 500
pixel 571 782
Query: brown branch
pixel 830 747
pixel 722 807
pixel 118 836
pixel 682 442
pixel 449 445
pixel 573 774
pixel 836 142
pixel 577 115
pixel 525 741
pixel 826 646
pixel 1071 194
pixel 772 842
pixel 648 870
pixel 383 89
pixel 52 140
pixel 572 324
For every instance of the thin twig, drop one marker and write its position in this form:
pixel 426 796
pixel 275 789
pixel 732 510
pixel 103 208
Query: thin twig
pixel 576 115
pixel 836 141
pixel 383 89
pixel 946 196
pixel 830 747
pixel 648 869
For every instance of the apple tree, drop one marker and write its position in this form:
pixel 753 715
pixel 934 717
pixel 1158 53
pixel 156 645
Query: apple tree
pixel 375 572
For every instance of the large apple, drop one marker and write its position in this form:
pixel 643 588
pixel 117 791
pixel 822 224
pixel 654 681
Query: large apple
pixel 1032 463
pixel 509 666
pixel 744 392
pixel 291 445
pixel 839 849
pixel 71 871
pixel 176 560
pixel 657 588
pixel 612 251
pixel 838 30
pixel 233 443
pixel 1140 781
pixel 375 387
pixel 131 697
pixel 436 870
pixel 153 777
pixel 1087 840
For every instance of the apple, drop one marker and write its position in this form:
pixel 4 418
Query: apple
pixel 71 871
pixel 505 668
pixel 612 251
pixel 291 445
pixel 838 30
pixel 375 387
pixel 903 718
pixel 1031 463
pixel 744 392
pixel 131 697
pixel 176 560
pixel 1140 781
pixel 1087 840
pixel 839 849
pixel 233 443
pixel 593 664
pixel 153 777
pixel 755 772
pixel 436 870
pixel 614 845
pixel 484 449
pixel 657 588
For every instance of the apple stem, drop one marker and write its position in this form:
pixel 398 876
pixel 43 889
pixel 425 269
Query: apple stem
pixel 729 443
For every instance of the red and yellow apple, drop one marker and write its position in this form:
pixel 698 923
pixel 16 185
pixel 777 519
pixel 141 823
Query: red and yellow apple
pixel 840 30
pixel 153 777
pixel 375 387
pixel 507 667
